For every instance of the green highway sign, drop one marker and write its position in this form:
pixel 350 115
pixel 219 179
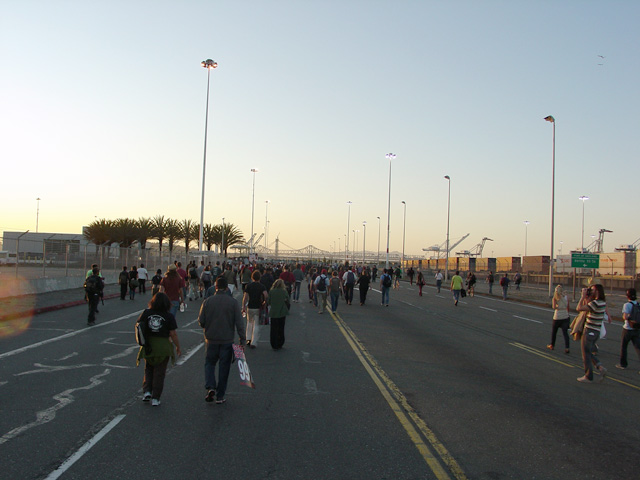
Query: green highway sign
pixel 585 260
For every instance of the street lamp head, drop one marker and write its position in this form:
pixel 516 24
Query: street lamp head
pixel 254 170
pixel 364 222
pixel 378 218
pixel 390 156
pixel 208 63
pixel 550 119
pixel 447 177
pixel 404 202
pixel 526 222
pixel 583 198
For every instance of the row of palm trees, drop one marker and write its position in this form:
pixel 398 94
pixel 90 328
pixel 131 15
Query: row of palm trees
pixel 126 232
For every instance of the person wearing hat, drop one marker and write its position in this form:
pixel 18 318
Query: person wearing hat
pixel 560 305
pixel 172 284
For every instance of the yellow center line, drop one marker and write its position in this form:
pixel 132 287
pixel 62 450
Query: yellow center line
pixel 401 408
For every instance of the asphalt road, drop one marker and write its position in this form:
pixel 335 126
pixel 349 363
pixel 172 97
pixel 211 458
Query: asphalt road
pixel 421 389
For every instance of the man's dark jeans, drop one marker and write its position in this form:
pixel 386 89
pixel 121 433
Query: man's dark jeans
pixel 222 353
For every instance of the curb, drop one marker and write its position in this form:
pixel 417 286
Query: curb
pixel 50 308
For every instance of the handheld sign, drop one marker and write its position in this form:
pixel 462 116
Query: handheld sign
pixel 243 367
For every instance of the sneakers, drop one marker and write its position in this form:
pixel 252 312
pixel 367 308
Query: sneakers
pixel 146 396
pixel 155 402
pixel 584 379
pixel 603 373
pixel 550 347
pixel 621 367
pixel 220 401
pixel 210 395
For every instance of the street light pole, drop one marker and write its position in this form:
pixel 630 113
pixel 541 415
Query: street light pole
pixel 378 256
pixel 266 225
pixel 584 198
pixel 346 242
pixel 222 243
pixel 208 64
pixel 37 213
pixel 390 157
pixel 526 226
pixel 404 230
pixel 553 199
pixel 364 240
pixel 446 269
pixel 253 203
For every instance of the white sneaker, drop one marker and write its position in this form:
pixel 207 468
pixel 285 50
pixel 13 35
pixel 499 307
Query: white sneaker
pixel 146 396
pixel 155 402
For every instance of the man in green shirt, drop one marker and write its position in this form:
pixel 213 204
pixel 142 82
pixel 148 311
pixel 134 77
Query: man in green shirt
pixel 456 286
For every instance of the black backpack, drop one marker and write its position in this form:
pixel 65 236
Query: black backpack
pixel 386 281
pixel 322 284
pixel 634 316
pixel 93 285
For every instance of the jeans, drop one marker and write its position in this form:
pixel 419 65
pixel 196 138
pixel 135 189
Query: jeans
pixel 589 339
pixel 632 336
pixel 175 306
pixel 438 285
pixel 222 353
pixel 253 326
pixel 277 332
pixel 363 295
pixel 132 293
pixel 93 300
pixel 564 326
pixel 491 287
pixel 322 299
pixel 123 290
pixel 348 292
pixel 385 295
pixel 504 292
pixel 335 296
pixel 456 295
pixel 296 291
pixel 142 287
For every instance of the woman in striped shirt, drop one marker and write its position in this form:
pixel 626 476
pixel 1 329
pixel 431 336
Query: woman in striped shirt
pixel 593 302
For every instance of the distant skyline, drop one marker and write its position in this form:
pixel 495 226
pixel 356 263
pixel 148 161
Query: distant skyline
pixel 103 116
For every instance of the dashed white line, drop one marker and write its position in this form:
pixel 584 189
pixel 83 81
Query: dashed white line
pixel 486 308
pixel 527 319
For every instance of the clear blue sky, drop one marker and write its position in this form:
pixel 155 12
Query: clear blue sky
pixel 102 115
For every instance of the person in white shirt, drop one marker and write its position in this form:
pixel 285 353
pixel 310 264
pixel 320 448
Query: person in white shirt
pixel 143 276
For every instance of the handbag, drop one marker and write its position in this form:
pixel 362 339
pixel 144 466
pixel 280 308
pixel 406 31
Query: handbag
pixel 603 330
pixel 463 292
pixel 577 325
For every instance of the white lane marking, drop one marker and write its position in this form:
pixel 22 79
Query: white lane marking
pixel 45 416
pixel 50 368
pixel 311 386
pixel 84 449
pixel 305 358
pixel 527 319
pixel 67 357
pixel 190 354
pixel 67 335
pixel 490 309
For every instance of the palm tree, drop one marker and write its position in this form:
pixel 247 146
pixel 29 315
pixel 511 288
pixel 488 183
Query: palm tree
pixel 186 231
pixel 232 236
pixel 172 233
pixel 145 226
pixel 126 231
pixel 159 230
pixel 99 233
pixel 208 235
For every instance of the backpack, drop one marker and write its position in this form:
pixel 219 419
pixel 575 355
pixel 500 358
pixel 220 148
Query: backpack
pixel 634 317
pixel 93 285
pixel 123 279
pixel 193 273
pixel 334 284
pixel 351 278
pixel 503 282
pixel 386 280
pixel 322 284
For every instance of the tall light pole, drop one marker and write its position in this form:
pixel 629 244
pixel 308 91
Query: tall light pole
pixel 266 225
pixel 346 242
pixel 553 198
pixel 355 243
pixel 404 230
pixel 584 198
pixel 364 240
pixel 37 213
pixel 209 65
pixel 390 157
pixel 222 243
pixel 378 256
pixel 446 264
pixel 253 203
pixel 526 226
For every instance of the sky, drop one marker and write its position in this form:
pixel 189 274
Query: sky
pixel 102 115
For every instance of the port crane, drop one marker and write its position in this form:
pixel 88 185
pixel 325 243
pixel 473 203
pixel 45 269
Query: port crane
pixel 476 250
pixel 443 246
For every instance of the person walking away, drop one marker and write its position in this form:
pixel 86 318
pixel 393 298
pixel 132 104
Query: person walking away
pixel 133 282
pixel 517 280
pixel 173 285
pixel 200 269
pixel 334 290
pixel 560 305
pixel 185 279
pixel 219 316
pixel 298 276
pixel 471 284
pixel 193 282
pixel 456 286
pixel 216 271
pixel 288 278
pixel 593 301
pixel 267 279
pixel 155 282
pixel 397 278
pixel 631 327
pixel 93 286
pixel 410 274
pixel 420 282
pixel 206 279
pixel 439 278
pixel 320 286
pixel 255 295
pixel 385 285
pixel 374 273
pixel 504 283
pixel 364 282
pixel 490 281
pixel 230 276
pixel 143 276
pixel 123 281
pixel 349 281
pixel 159 329
pixel 245 276
pixel 279 307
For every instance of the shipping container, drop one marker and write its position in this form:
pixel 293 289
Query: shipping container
pixel 508 264
pixel 535 264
